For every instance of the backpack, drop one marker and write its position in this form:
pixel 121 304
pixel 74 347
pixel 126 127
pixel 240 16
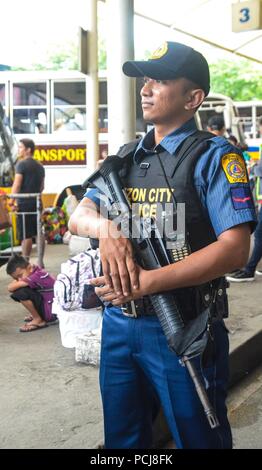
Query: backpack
pixel 71 289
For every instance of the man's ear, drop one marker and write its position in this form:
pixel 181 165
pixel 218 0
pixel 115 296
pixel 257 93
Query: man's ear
pixel 194 99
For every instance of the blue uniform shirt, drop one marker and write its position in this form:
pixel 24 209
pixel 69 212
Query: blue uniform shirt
pixel 220 179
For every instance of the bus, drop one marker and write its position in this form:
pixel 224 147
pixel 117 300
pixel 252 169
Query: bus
pixel 241 119
pixel 51 108
pixel 250 113
pixel 218 104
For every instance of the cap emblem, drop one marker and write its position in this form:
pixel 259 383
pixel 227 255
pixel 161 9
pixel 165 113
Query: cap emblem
pixel 160 52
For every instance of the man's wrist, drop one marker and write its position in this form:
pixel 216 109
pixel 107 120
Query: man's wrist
pixel 155 281
pixel 108 229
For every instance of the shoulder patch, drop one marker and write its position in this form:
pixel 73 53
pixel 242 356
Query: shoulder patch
pixel 241 198
pixel 234 168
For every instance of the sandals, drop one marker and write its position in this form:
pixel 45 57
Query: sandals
pixel 27 328
pixel 28 318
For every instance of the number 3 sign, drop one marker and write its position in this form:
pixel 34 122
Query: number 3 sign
pixel 246 15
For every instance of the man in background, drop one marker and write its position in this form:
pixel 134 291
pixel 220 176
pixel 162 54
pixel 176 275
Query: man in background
pixel 247 274
pixel 29 178
pixel 216 125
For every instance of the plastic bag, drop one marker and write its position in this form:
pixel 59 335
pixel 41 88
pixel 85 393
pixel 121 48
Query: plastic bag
pixel 70 203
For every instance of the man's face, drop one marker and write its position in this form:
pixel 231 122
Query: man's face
pixel 163 101
pixel 22 150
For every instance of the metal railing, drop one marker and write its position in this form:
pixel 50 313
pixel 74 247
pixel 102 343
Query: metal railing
pixel 39 235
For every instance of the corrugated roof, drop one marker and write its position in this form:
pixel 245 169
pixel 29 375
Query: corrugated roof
pixel 208 21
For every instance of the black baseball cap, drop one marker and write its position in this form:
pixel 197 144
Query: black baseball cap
pixel 172 60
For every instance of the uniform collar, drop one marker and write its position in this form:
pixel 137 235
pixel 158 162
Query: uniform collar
pixel 170 143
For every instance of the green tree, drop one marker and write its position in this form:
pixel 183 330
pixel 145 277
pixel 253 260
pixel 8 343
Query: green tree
pixel 58 57
pixel 65 57
pixel 240 80
pixel 102 54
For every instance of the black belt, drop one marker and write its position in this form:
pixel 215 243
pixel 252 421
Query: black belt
pixel 138 308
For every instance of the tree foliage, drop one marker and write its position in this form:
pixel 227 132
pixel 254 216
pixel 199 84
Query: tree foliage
pixel 240 80
pixel 65 57
pixel 57 57
pixel 102 54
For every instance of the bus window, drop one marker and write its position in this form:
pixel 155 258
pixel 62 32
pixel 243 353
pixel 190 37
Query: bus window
pixel 69 119
pixel 250 112
pixel 103 119
pixel 69 98
pixel 103 113
pixel 68 93
pixel 29 107
pixel 2 94
pixel 102 92
pixel 29 120
pixel 29 94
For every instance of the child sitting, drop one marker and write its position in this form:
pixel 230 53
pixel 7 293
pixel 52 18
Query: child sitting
pixel 33 287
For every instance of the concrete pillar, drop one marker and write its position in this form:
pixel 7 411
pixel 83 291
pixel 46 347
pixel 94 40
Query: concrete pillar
pixel 121 89
pixel 92 94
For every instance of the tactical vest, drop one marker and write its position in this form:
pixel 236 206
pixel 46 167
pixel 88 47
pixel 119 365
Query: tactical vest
pixel 146 184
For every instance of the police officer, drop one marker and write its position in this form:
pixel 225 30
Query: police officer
pixel 137 369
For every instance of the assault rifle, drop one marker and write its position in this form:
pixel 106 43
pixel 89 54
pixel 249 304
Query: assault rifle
pixel 189 340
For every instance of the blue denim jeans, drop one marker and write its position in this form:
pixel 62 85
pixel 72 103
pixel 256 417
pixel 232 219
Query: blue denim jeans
pixel 138 371
pixel 256 254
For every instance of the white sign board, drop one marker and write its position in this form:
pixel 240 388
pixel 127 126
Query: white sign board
pixel 246 16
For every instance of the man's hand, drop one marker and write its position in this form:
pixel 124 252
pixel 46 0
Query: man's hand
pixel 119 268
pixel 116 251
pixel 108 294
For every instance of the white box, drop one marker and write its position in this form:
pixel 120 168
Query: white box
pixel 78 244
pixel 88 347
pixel 77 322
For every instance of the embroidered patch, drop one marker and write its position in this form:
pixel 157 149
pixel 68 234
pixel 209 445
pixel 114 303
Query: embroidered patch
pixel 235 168
pixel 162 50
pixel 241 198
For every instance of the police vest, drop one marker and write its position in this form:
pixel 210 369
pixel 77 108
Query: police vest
pixel 146 184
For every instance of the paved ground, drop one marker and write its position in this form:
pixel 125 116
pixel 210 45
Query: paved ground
pixel 47 400
pixel 245 404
